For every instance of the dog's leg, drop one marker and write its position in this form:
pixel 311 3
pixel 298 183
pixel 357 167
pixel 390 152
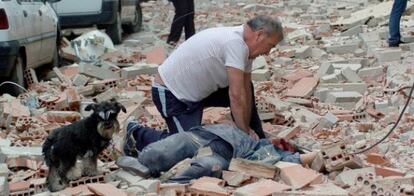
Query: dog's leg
pixel 54 181
pixel 64 168
pixel 75 172
pixel 90 166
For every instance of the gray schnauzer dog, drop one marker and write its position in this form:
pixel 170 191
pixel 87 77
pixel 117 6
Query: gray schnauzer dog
pixel 82 140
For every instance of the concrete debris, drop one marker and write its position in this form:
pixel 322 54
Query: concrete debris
pixel 366 183
pixel 342 48
pixel 261 75
pixel 345 99
pixel 380 11
pixel 138 69
pixel 328 121
pixel 97 71
pixel 260 63
pixel 353 31
pixel 350 75
pixel 333 86
pixel 80 80
pixel 303 52
pixel 347 177
pixel 387 55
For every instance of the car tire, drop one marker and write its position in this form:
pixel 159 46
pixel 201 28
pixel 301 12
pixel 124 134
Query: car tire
pixel 55 61
pixel 115 30
pixel 17 75
pixel 56 56
pixel 136 25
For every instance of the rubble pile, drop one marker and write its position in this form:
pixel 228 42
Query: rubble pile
pixel 333 86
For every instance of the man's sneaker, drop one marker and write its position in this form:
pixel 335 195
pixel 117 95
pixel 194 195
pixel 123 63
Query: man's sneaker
pixel 129 147
pixel 396 44
pixel 132 165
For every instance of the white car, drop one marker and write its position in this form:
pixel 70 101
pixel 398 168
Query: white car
pixel 28 37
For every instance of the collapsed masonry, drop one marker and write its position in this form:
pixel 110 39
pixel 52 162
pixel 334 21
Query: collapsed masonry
pixel 332 86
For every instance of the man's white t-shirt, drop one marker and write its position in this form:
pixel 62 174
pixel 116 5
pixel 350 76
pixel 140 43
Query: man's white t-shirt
pixel 197 67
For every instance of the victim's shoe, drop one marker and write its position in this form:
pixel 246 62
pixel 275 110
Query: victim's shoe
pixel 132 165
pixel 129 147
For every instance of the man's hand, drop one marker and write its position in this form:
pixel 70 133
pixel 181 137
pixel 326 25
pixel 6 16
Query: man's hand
pixel 283 144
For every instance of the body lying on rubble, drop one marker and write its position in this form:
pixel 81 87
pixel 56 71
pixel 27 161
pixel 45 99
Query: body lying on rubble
pixel 225 141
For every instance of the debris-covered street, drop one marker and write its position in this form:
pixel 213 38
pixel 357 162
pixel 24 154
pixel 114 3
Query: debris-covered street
pixel 332 86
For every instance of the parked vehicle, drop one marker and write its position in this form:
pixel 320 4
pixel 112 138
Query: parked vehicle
pixel 110 15
pixel 29 35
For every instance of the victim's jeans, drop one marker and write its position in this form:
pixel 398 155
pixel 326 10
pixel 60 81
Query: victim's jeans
pixel 397 11
pixel 162 155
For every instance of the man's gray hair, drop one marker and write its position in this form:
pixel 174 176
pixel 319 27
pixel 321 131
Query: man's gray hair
pixel 268 24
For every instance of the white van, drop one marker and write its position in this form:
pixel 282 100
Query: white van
pixel 110 15
pixel 28 37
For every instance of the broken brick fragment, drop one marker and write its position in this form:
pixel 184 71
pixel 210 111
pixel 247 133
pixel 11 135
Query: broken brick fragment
pixel 19 186
pixel 156 55
pixel 105 189
pixel 208 186
pixel 378 159
pixel 261 188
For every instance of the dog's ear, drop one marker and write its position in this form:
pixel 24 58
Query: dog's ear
pixel 90 107
pixel 122 107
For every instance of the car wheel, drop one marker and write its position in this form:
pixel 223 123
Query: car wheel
pixel 115 30
pixel 56 56
pixel 17 76
pixel 135 26
pixel 55 62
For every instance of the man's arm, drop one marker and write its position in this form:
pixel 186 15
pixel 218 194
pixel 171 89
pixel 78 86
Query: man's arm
pixel 248 87
pixel 240 107
pixel 249 101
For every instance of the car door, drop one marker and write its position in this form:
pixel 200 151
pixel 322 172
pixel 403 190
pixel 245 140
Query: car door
pixel 77 7
pixel 49 32
pixel 14 14
pixel 32 24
